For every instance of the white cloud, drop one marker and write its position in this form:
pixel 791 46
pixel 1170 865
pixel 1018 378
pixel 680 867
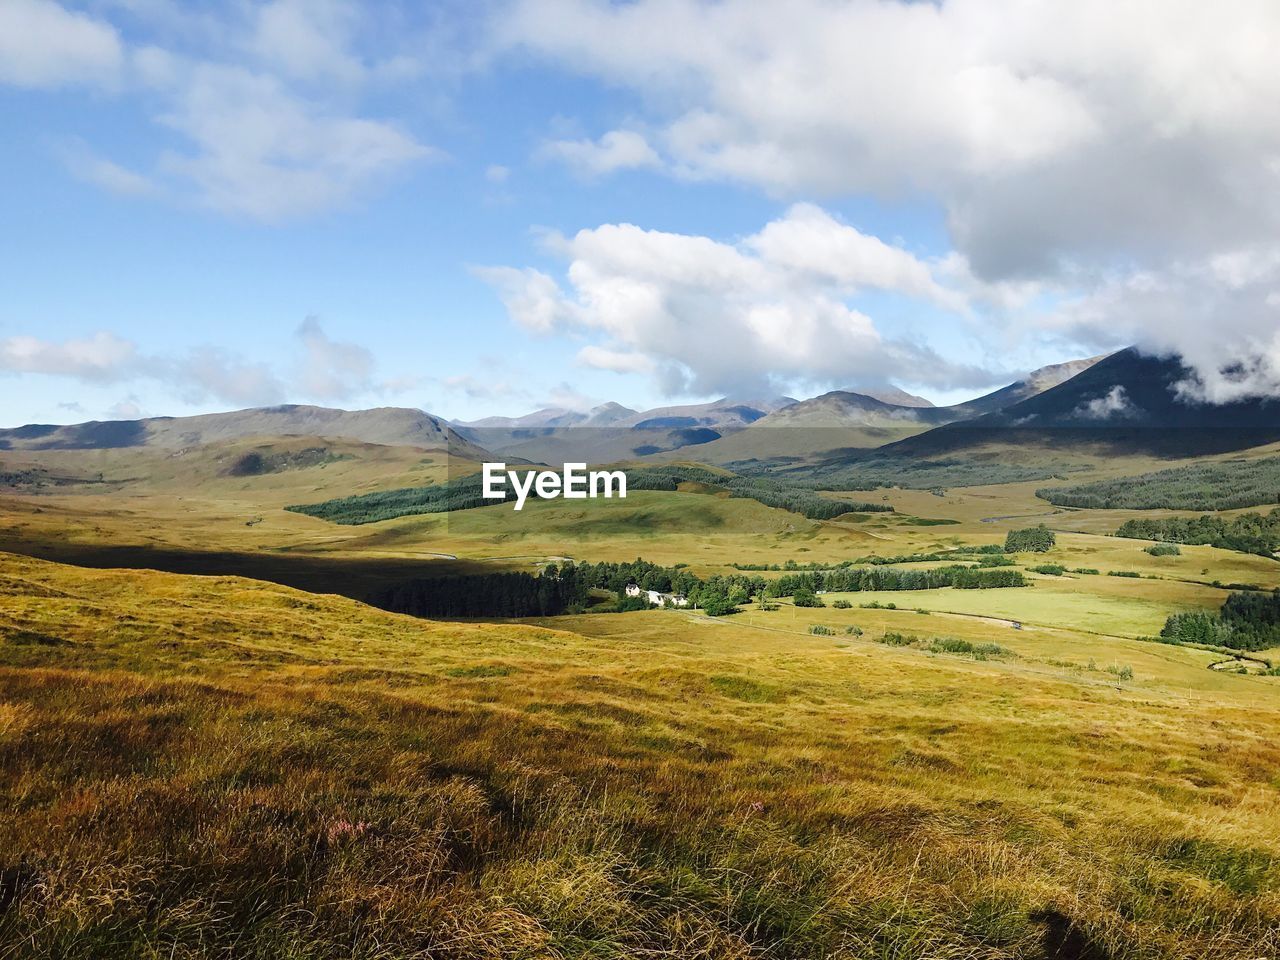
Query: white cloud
pixel 265 153
pixel 478 388
pixel 618 361
pixel 328 369
pixel 706 316
pixel 811 241
pixel 1114 404
pixel 308 39
pixel 207 373
pixel 497 173
pixel 616 150
pixel 267 110
pixel 45 45
pixel 1221 316
pixel 1114 161
pixel 100 358
pixel 532 298
pixel 324 369
pixel 1008 114
pixel 126 409
pixel 109 175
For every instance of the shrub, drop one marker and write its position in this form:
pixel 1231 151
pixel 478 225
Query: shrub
pixel 1051 569
pixel 853 630
pixel 1164 550
pixel 898 639
pixel 821 631
pixel 841 604
pixel 1131 574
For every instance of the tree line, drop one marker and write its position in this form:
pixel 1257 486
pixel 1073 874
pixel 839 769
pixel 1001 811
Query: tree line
pixel 1219 485
pixel 466 493
pixel 1248 533
pixel 567 588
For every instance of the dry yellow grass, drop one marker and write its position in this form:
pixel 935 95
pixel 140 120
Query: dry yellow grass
pixel 220 767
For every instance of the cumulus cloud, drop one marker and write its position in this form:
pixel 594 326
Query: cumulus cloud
pixel 532 298
pixel 44 45
pixel 1111 157
pixel 979 102
pixel 708 316
pixel 616 150
pixel 1115 403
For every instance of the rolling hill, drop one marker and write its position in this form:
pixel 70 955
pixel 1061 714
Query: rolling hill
pixel 393 426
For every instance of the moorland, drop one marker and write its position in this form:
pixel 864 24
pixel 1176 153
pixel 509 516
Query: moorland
pixel 1014 699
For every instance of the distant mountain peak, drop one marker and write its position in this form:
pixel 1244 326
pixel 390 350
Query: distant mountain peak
pixel 891 394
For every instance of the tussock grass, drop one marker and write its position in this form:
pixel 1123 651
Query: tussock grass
pixel 213 767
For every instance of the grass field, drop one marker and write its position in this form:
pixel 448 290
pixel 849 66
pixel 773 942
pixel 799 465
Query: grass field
pixel 214 766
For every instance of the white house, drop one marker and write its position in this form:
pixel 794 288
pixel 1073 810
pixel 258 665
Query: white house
pixel 656 598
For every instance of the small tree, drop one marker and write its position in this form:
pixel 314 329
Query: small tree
pixel 1038 539
pixel 807 598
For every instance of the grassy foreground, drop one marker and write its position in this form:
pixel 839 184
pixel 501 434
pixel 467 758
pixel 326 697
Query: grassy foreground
pixel 221 767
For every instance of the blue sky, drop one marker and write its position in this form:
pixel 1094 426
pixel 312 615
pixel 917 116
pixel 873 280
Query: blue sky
pixel 486 208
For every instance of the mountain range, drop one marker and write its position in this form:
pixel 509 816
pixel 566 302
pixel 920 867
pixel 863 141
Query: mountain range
pixel 1126 398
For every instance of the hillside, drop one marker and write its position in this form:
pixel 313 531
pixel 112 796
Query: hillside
pixel 401 426
pixel 1128 401
pixel 224 767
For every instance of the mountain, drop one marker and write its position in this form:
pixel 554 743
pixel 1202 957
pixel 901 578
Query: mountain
pixel 612 432
pixel 894 395
pixel 723 414
pixel 396 426
pixel 1034 383
pixel 552 418
pixel 844 423
pixel 1128 401
pixel 842 408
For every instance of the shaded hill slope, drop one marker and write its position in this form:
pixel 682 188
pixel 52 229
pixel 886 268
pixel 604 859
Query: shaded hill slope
pixel 1128 401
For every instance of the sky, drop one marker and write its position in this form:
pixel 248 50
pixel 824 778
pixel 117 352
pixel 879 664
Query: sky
pixel 492 206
